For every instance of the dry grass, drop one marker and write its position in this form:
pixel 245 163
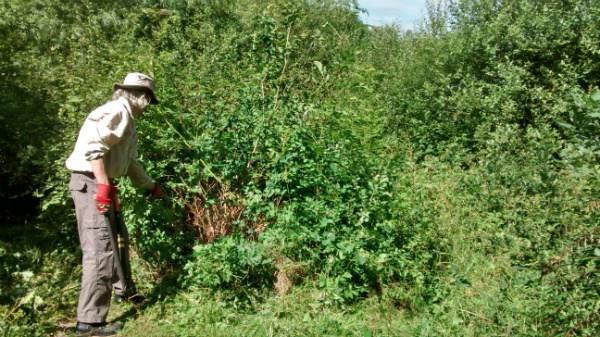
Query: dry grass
pixel 214 212
pixel 288 274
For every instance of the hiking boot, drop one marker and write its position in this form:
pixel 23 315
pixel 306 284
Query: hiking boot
pixel 136 299
pixel 96 329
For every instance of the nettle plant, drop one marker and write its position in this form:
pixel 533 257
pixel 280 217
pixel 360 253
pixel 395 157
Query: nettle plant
pixel 322 207
pixel 582 152
pixel 570 277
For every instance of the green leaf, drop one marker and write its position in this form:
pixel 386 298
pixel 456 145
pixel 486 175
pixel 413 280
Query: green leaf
pixel 360 259
pixel 320 67
pixel 565 125
pixel 595 95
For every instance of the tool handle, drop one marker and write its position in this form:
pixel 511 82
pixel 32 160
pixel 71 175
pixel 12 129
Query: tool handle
pixel 111 222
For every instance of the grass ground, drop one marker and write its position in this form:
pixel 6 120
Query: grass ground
pixel 491 305
pixel 488 301
pixel 484 293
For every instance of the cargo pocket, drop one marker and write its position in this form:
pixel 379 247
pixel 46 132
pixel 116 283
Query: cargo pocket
pixel 101 239
pixel 76 184
pixel 104 253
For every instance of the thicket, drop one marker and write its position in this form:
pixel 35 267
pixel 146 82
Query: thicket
pixel 302 148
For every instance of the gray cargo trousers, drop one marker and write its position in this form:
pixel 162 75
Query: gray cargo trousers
pixel 99 265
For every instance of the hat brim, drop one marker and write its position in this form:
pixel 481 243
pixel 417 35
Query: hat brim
pixel 153 99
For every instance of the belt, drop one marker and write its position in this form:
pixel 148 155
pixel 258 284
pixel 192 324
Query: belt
pixel 85 173
pixel 91 176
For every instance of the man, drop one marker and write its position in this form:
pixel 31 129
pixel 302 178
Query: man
pixel 107 149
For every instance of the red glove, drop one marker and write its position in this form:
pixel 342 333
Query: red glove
pixel 157 193
pixel 106 194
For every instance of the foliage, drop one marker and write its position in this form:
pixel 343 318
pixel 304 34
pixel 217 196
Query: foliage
pixel 447 174
pixel 39 279
pixel 570 274
pixel 582 152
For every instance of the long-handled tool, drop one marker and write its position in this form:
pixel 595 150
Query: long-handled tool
pixel 119 239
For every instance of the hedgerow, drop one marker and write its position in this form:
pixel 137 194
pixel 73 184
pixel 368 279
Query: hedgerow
pixel 302 149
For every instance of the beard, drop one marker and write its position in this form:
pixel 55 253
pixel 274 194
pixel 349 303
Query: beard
pixel 140 103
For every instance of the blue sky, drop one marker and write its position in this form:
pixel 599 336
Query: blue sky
pixel 408 12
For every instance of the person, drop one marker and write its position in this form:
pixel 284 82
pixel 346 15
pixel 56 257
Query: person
pixel 106 149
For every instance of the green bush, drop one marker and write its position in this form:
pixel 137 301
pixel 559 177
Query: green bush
pixel 301 148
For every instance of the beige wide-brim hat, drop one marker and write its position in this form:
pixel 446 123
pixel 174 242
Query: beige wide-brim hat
pixel 138 81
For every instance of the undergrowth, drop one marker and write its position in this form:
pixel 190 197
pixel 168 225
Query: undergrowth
pixel 326 177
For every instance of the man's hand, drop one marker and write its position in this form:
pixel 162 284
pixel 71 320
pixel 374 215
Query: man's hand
pixel 106 193
pixel 105 196
pixel 156 193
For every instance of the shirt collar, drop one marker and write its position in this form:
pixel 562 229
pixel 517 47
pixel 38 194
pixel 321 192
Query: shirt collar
pixel 125 103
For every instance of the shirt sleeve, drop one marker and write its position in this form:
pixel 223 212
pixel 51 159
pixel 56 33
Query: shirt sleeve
pixel 137 174
pixel 110 128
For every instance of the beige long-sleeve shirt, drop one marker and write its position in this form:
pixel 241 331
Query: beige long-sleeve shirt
pixel 109 133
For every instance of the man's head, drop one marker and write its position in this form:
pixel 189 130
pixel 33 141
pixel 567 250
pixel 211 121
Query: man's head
pixel 138 89
pixel 137 98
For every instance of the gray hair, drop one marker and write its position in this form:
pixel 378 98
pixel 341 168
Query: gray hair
pixel 136 97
